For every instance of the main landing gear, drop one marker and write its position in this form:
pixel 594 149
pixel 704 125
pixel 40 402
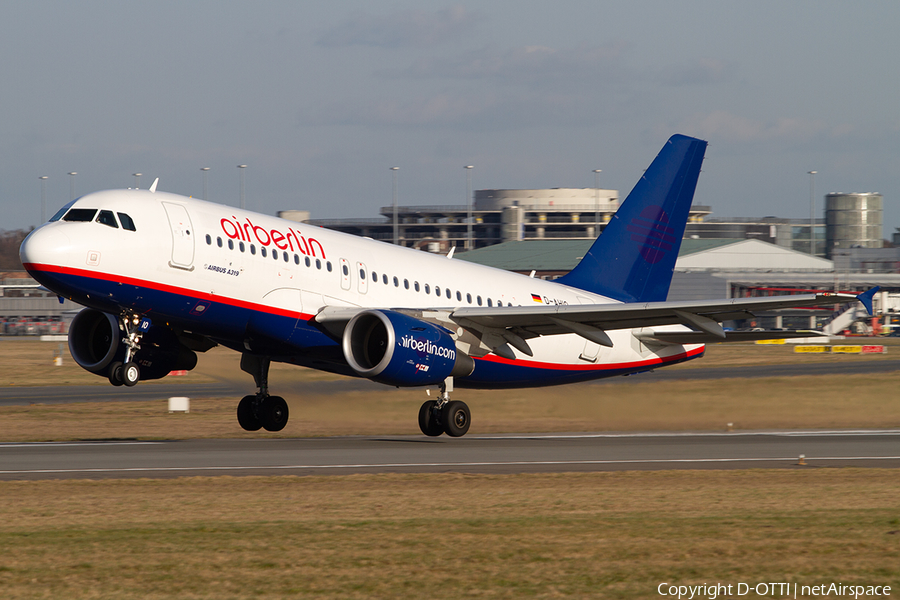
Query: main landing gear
pixel 262 410
pixel 128 372
pixel 444 415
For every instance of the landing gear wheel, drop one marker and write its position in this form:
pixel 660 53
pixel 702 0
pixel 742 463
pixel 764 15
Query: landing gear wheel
pixel 245 415
pixel 273 413
pixel 428 421
pixel 131 374
pixel 456 418
pixel 115 373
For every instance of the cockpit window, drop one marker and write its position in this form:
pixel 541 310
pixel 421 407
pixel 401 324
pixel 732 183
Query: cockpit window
pixel 61 212
pixel 127 222
pixel 107 218
pixel 80 215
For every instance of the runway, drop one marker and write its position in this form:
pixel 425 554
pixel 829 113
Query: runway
pixel 470 454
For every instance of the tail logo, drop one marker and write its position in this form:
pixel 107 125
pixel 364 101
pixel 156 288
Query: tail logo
pixel 650 229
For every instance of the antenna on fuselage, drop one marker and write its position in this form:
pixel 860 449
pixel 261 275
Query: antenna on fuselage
pixel 452 250
pixel 153 187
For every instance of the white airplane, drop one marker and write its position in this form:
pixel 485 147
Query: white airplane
pixel 164 277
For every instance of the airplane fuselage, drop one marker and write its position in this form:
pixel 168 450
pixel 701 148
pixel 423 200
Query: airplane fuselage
pixel 256 283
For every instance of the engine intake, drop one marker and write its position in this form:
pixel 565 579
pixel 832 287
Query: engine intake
pixel 396 349
pixel 95 342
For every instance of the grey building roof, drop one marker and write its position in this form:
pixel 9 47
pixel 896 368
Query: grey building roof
pixel 558 255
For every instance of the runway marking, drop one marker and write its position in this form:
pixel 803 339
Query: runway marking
pixel 799 433
pixel 447 464
pixel 72 444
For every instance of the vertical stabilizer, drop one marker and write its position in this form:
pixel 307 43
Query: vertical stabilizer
pixel 633 260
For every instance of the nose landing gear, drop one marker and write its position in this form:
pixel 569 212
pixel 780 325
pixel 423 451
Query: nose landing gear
pixel 129 373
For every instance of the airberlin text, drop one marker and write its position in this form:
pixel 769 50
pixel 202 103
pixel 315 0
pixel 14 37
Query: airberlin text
pixel 426 347
pixel 291 240
pixel 771 590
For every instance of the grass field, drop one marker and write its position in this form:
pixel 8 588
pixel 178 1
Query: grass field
pixel 598 535
pixel 577 535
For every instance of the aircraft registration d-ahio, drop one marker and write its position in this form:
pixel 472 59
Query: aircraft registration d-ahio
pixel 164 277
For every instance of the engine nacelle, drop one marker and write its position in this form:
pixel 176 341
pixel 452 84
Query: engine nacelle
pixel 393 348
pixel 95 342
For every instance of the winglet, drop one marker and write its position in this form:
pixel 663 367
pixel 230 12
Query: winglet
pixel 866 299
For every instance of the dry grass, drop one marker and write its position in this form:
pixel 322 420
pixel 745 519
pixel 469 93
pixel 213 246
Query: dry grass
pixel 30 362
pixel 598 535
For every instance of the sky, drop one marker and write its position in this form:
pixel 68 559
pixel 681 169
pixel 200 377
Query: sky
pixel 321 99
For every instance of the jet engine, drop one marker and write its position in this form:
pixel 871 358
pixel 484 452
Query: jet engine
pixel 396 349
pixel 95 342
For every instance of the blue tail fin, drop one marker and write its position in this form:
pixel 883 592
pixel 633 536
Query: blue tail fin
pixel 634 258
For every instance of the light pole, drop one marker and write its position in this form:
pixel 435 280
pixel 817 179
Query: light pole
pixel 812 212
pixel 396 222
pixel 597 202
pixel 469 243
pixel 72 175
pixel 242 167
pixel 205 182
pixel 43 179
pixel 137 180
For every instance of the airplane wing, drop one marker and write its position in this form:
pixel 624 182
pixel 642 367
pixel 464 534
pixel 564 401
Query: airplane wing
pixel 515 324
pixel 501 327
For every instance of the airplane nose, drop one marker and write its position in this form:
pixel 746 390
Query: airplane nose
pixel 44 246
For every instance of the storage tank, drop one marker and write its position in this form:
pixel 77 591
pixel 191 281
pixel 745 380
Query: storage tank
pixel 853 221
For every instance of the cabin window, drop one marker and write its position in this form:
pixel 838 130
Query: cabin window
pixel 437 290
pixel 489 302
pixel 285 257
pixel 208 240
pixel 374 277
pixel 231 244
pixel 219 242
pixel 406 283
pixel 328 266
pixel 308 262
pixel 384 279
pixel 253 249
pixel 262 251
pixel 459 296
pixel 416 285
pixel 396 282
pixel 478 300
pixel 241 246
pixel 448 293
pixel 469 298
pixel 345 269
pixel 296 259
pixel 127 222
pixel 318 264
pixel 427 289
pixel 80 215
pixel 362 274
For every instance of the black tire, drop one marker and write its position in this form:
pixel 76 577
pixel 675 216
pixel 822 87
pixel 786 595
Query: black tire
pixel 131 373
pixel 428 421
pixel 273 412
pixel 246 419
pixel 115 374
pixel 456 418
